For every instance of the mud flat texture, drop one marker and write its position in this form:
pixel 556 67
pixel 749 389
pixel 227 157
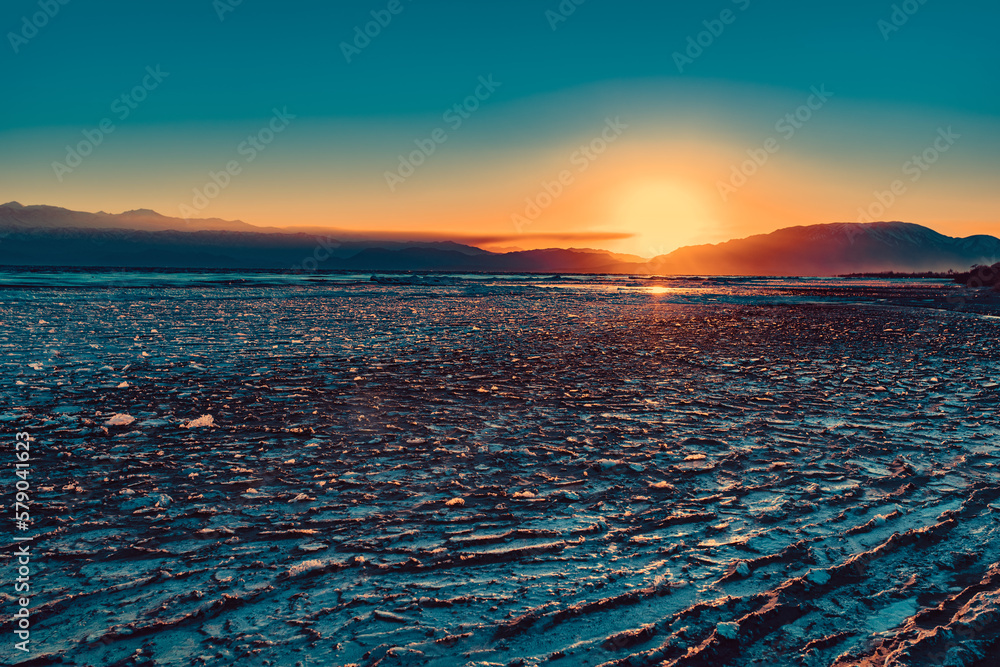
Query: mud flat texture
pixel 600 472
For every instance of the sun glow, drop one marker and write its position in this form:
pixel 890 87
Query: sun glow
pixel 665 215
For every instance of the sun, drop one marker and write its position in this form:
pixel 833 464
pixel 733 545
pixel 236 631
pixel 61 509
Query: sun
pixel 664 215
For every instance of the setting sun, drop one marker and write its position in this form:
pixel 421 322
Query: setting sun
pixel 664 215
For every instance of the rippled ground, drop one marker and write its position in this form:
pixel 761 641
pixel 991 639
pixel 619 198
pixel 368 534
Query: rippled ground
pixel 506 474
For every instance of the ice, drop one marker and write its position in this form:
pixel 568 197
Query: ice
pixel 820 577
pixel 729 630
pixel 305 566
pixel 151 500
pixel 648 478
pixel 201 422
pixel 893 615
pixel 120 419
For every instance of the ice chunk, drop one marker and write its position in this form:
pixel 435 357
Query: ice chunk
pixel 390 616
pixel 204 420
pixel 455 501
pixel 305 566
pixel 120 419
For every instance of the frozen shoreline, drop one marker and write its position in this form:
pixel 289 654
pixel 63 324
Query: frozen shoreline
pixel 759 474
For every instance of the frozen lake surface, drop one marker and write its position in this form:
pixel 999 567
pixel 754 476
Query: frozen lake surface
pixel 258 469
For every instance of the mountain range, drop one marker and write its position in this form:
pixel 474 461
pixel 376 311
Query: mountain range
pixel 53 236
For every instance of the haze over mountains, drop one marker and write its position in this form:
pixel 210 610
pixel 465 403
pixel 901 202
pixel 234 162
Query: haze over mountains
pixel 52 236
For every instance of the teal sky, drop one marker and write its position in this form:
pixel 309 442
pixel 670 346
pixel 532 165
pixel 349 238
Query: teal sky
pixel 227 70
pixel 265 53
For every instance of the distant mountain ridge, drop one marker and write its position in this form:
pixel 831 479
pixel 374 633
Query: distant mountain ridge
pixel 52 236
pixel 54 217
pixel 832 249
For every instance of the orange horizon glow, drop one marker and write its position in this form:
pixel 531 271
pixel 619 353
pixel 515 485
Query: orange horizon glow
pixel 656 187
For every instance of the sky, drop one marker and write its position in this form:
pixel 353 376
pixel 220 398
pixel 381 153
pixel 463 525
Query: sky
pixel 633 126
